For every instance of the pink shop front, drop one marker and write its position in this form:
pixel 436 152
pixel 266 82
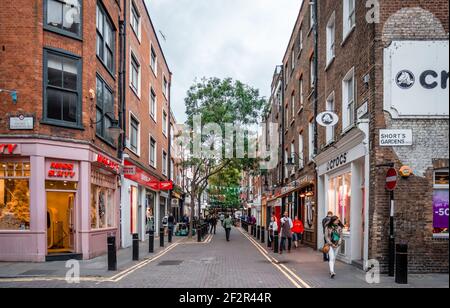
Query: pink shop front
pixel 57 200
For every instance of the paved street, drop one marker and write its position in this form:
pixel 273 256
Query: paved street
pixel 241 263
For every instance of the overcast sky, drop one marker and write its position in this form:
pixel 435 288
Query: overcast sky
pixel 242 39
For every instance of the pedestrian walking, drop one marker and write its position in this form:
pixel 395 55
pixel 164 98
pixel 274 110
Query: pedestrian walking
pixel 273 226
pixel 333 237
pixel 171 223
pixel 222 218
pixel 227 223
pixel 286 233
pixel 325 222
pixel 297 231
pixel 213 223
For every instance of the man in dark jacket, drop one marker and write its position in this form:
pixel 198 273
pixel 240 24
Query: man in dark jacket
pixel 325 223
pixel 213 223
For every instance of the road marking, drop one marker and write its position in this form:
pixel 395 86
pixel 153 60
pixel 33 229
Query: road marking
pixel 115 278
pixel 275 262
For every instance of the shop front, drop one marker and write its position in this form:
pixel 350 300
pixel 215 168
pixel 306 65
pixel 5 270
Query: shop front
pixel 57 201
pixel 141 210
pixel 343 175
pixel 300 201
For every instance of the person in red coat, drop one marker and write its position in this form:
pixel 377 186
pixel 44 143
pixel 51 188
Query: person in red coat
pixel 297 230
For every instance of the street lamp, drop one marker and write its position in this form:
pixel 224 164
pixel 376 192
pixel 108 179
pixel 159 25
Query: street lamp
pixel 290 165
pixel 114 129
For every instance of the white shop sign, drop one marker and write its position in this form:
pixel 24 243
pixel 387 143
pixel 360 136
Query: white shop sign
pixel 21 123
pixel 416 79
pixel 396 137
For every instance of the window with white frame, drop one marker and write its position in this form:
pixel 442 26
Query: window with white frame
pixel 440 202
pixel 292 106
pixel 152 158
pixel 301 93
pixel 293 58
pixel 134 134
pixel 172 171
pixel 330 129
pixel 165 87
pixel 348 100
pixel 172 137
pixel 331 38
pixel 164 163
pixel 153 60
pixel 312 72
pixel 152 103
pixel 301 151
pixel 286 159
pixel 164 123
pixel 300 38
pixel 349 19
pixel 135 20
pixel 135 74
pixel 293 155
pixel 311 140
pixel 311 15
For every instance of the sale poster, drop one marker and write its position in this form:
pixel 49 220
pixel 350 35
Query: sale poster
pixel 440 209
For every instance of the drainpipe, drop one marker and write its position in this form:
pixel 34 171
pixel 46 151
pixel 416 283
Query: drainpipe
pixel 283 128
pixel 122 79
pixel 316 75
pixel 169 151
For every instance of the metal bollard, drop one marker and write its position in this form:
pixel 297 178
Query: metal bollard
pixel 151 241
pixel 258 232
pixel 269 242
pixel 112 253
pixel 275 242
pixel 263 235
pixel 169 236
pixel 401 264
pixel 135 247
pixel 199 235
pixel 161 237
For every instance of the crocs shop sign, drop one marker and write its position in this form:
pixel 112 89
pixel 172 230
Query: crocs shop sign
pixel 416 79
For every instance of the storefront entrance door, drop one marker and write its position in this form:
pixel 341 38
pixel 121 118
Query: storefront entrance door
pixel 60 222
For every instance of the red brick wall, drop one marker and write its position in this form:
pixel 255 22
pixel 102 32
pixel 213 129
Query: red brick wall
pixel 22 43
pixel 139 106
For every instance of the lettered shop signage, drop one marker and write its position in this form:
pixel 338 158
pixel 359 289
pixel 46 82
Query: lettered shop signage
pixel 9 149
pixel 396 137
pixel 416 79
pixel 337 162
pixel 106 162
pixel 61 171
pixel 140 176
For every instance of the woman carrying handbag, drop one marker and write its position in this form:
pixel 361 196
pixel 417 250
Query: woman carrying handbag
pixel 333 236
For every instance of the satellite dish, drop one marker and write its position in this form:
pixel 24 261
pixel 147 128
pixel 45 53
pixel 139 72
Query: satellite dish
pixel 327 119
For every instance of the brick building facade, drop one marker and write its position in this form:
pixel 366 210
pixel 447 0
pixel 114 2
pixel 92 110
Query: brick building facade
pixel 351 56
pixel 59 186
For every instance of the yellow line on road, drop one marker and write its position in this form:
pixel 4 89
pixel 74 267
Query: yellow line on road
pixel 272 261
pixel 275 261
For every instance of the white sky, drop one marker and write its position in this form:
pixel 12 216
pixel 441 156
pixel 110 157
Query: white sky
pixel 242 39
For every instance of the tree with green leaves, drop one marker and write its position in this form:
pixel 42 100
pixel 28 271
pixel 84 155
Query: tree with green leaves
pixel 218 104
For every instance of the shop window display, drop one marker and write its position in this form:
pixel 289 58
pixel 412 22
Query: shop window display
pixel 14 196
pixel 339 198
pixel 440 203
pixel 102 207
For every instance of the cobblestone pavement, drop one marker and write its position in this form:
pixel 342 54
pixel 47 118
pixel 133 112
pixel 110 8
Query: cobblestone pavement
pixel 241 263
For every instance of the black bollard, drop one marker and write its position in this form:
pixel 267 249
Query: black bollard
pixel 135 247
pixel 269 242
pixel 161 237
pixel 258 232
pixel 112 253
pixel 199 235
pixel 169 237
pixel 275 242
pixel 151 241
pixel 263 235
pixel 401 264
